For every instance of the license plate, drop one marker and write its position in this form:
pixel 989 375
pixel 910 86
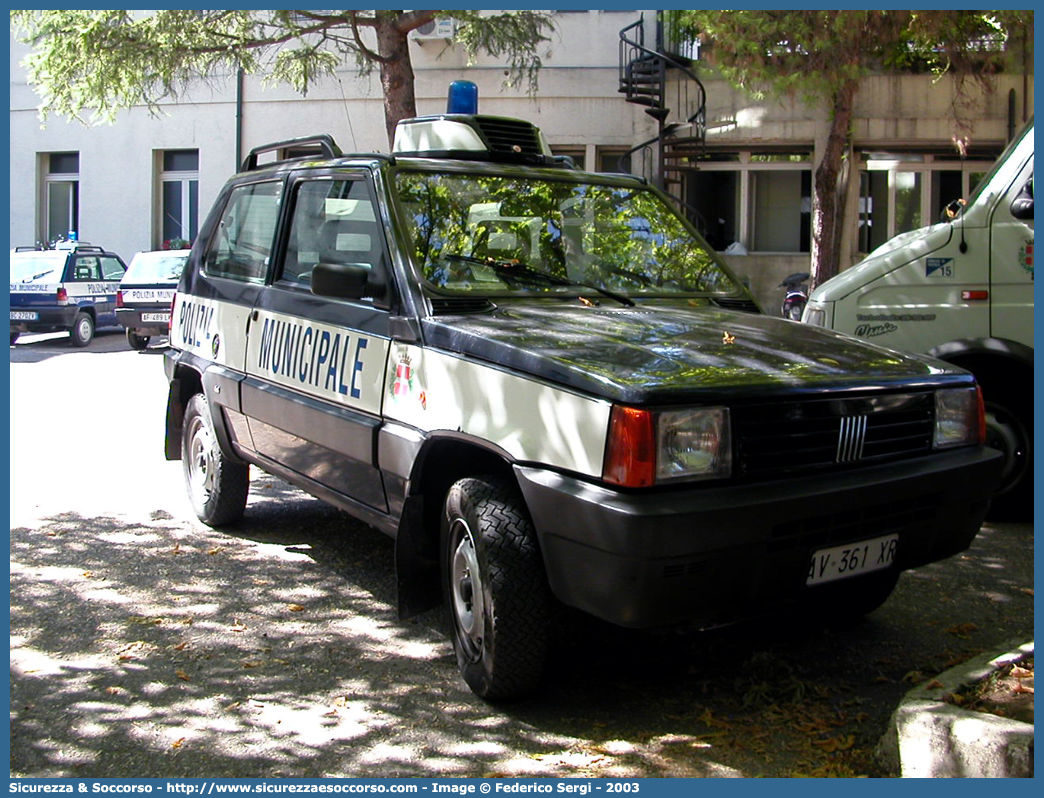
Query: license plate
pixel 155 317
pixel 852 559
pixel 23 315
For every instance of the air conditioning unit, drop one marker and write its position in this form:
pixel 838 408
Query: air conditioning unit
pixel 436 29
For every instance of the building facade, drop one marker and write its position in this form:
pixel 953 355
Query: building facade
pixel 147 181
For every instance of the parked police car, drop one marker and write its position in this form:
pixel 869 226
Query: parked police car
pixel 547 388
pixel 146 292
pixel 69 288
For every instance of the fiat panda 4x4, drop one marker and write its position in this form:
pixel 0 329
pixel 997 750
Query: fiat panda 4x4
pixel 548 389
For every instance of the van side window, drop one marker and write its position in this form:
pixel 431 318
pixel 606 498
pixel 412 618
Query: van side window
pixel 334 221
pixel 242 243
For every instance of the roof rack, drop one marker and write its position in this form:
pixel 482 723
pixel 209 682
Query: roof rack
pixel 295 149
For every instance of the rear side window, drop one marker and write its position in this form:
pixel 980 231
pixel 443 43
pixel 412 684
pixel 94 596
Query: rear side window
pixel 242 243
pixel 112 268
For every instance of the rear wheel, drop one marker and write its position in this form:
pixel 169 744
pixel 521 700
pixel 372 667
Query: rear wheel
pixel 217 486
pixel 82 332
pixel 136 341
pixel 495 588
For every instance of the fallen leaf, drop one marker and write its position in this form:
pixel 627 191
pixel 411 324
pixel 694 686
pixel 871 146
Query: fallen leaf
pixel 112 690
pixel 252 663
pixel 934 684
pixel 963 630
pixel 214 550
pixel 87 574
pixel 178 743
pixel 183 676
pixel 295 607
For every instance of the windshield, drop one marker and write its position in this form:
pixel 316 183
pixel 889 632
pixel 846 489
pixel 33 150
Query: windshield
pixel 155 267
pixel 507 233
pixel 988 177
pixel 39 266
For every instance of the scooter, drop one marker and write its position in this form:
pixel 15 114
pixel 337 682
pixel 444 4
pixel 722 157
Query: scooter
pixel 796 297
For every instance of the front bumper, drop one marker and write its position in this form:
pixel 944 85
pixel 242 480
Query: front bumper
pixel 715 555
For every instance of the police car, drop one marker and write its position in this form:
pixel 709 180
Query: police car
pixel 146 292
pixel 548 389
pixel 69 288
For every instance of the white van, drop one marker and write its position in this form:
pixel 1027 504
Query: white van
pixel 961 290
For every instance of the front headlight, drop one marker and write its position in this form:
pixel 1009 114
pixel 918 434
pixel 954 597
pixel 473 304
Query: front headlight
pixel 959 418
pixel 693 444
pixel 649 447
pixel 816 314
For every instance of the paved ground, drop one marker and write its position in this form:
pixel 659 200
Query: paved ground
pixel 145 644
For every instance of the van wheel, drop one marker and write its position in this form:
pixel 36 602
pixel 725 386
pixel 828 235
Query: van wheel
pixel 217 486
pixel 82 332
pixel 495 588
pixel 136 341
pixel 1009 429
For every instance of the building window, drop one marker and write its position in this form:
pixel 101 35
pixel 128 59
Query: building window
pixel 179 198
pixel 578 155
pixel 761 201
pixel 613 160
pixel 899 192
pixel 61 196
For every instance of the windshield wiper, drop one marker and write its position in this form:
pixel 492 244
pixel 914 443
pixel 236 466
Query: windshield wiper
pixel 518 271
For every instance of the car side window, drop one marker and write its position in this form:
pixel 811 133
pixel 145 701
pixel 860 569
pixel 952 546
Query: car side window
pixel 334 221
pixel 111 268
pixel 86 268
pixel 241 245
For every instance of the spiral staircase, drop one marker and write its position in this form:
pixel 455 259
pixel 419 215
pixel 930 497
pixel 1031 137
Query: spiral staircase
pixel 659 76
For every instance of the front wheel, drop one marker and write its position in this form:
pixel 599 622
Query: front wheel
pixel 136 341
pixel 495 588
pixel 82 332
pixel 217 486
pixel 1009 429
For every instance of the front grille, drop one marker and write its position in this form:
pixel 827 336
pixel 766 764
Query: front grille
pixel 779 439
pixel 509 136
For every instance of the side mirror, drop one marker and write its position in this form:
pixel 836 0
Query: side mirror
pixel 1022 209
pixel 342 280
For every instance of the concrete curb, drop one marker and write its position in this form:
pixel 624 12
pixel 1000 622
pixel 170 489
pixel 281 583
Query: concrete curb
pixel 929 738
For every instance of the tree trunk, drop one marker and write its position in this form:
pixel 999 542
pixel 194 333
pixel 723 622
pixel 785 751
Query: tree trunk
pixel 400 101
pixel 826 248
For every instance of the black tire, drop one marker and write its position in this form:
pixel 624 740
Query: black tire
pixel 82 332
pixel 14 337
pixel 136 341
pixel 495 588
pixel 1009 429
pixel 217 486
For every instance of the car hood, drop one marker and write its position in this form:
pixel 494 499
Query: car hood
pixel 664 352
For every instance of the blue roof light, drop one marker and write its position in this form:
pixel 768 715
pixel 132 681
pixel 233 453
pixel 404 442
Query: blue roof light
pixel 463 98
